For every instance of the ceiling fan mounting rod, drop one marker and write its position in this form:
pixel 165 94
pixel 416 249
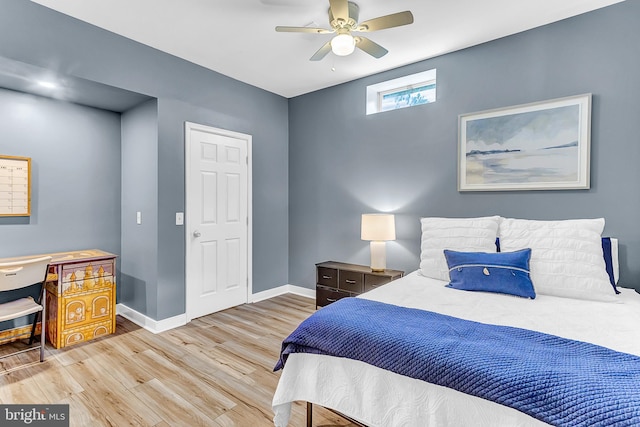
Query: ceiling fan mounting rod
pixel 351 23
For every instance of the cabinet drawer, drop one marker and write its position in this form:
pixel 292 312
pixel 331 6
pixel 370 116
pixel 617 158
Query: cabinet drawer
pixel 327 277
pixel 86 333
pixel 351 281
pixel 85 276
pixel 86 308
pixel 325 296
pixel 372 281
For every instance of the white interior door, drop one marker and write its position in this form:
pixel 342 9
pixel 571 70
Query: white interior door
pixel 217 219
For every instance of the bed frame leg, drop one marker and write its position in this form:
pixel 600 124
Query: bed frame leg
pixel 309 414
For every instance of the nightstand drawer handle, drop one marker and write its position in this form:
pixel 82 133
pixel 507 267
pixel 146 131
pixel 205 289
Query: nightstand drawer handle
pixel 326 277
pixel 331 300
pixel 351 282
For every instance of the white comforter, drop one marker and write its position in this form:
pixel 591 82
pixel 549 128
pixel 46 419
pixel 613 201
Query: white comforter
pixel 377 397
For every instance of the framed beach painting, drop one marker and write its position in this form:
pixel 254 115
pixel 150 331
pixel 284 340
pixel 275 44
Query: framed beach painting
pixel 539 146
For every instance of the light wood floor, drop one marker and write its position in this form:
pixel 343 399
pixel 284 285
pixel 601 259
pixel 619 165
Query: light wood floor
pixel 215 371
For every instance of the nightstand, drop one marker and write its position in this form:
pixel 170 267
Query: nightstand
pixel 335 280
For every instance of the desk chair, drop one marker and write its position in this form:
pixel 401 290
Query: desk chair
pixel 20 274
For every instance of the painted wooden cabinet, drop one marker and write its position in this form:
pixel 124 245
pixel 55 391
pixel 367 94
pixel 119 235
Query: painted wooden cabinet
pixel 81 297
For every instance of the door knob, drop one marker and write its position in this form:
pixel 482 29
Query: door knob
pixel 196 234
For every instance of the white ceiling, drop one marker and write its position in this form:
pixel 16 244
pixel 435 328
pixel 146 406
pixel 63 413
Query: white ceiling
pixel 237 37
pixel 22 77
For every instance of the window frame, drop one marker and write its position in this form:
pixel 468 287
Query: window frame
pixel 377 92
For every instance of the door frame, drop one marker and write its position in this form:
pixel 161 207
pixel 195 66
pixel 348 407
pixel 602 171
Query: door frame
pixel 188 126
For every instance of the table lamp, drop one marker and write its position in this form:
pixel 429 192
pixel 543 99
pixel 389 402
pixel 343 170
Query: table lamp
pixel 378 228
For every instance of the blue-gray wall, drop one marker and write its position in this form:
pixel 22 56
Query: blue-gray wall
pixel 75 177
pixel 266 121
pixel 344 163
pixel 39 36
pixel 139 242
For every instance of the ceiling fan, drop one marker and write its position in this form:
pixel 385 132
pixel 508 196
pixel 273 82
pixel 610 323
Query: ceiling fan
pixel 343 18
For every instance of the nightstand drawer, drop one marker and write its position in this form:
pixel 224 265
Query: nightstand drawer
pixel 325 296
pixel 335 280
pixel 351 281
pixel 371 281
pixel 327 277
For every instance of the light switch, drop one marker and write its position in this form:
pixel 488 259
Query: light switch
pixel 179 218
pixel 138 217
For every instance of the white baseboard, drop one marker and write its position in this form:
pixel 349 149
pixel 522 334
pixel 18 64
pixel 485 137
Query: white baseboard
pixel 157 326
pixel 151 325
pixel 281 290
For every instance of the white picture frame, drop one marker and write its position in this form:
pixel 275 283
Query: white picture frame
pixel 538 146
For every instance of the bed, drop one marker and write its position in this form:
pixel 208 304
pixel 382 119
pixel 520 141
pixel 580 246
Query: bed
pixel 374 396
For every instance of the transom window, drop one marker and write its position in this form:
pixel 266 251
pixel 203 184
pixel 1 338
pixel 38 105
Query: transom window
pixel 407 91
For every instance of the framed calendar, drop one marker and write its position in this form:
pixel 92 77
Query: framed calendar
pixel 15 186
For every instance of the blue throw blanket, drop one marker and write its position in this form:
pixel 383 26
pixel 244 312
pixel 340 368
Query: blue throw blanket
pixel 556 380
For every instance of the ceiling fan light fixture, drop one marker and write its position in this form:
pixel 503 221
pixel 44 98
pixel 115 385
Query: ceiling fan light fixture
pixel 344 19
pixel 343 44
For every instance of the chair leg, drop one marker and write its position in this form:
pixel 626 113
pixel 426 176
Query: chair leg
pixel 43 322
pixel 33 327
pixel 43 327
pixel 35 317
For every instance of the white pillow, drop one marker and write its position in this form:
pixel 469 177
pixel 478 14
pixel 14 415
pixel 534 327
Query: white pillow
pixel 457 234
pixel 566 256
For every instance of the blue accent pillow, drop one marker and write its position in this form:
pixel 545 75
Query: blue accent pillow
pixel 608 262
pixel 500 272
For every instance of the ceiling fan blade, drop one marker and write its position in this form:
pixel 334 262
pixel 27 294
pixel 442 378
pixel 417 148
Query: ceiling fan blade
pixel 388 21
pixel 339 9
pixel 284 29
pixel 322 52
pixel 372 48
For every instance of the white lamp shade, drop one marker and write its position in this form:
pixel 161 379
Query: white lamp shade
pixel 343 44
pixel 378 227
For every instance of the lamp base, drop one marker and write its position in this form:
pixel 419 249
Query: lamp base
pixel 378 256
